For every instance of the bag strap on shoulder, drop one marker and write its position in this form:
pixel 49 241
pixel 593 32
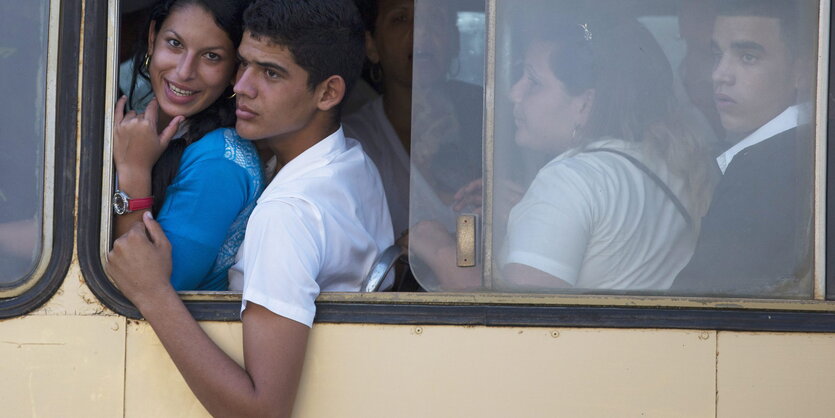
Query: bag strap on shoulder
pixel 663 186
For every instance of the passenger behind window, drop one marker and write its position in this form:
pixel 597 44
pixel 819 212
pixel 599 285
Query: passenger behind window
pixel 204 183
pixel 383 126
pixel 756 235
pixel 619 204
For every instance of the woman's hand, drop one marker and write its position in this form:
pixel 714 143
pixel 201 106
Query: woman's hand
pixel 137 146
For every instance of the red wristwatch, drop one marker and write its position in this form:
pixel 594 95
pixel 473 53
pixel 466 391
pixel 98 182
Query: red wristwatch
pixel 122 203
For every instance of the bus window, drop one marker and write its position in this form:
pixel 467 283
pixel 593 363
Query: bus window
pixel 447 121
pixel 645 147
pixel 23 93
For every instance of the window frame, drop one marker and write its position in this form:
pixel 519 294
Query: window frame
pixel 60 136
pixel 468 309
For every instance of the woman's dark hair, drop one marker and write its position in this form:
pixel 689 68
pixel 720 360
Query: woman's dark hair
pixel 228 16
pixel 634 93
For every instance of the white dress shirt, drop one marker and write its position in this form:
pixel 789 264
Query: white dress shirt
pixel 317 227
pixel 792 117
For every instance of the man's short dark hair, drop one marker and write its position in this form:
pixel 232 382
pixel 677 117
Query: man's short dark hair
pixel 786 11
pixel 326 37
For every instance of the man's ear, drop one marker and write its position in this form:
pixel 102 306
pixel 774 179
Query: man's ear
pixel 371 48
pixel 330 92
pixel 152 35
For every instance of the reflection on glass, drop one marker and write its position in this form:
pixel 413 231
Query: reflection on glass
pixel 614 123
pixel 23 45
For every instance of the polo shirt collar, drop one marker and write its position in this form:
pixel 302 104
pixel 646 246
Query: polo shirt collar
pixel 790 118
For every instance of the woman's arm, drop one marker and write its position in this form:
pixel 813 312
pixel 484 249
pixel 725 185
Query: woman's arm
pixel 136 147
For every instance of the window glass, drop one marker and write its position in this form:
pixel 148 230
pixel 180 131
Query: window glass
pixel 23 58
pixel 447 110
pixel 637 147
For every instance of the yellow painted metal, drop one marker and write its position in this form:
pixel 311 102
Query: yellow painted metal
pixel 441 371
pixel 62 366
pixel 75 358
pixel 74 298
pixel 775 375
pixel 153 386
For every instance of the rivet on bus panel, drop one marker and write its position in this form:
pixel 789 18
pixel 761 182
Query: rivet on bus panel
pixel 704 335
pixel 418 330
pixel 555 334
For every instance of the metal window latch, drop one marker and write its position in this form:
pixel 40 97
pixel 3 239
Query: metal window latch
pixel 465 240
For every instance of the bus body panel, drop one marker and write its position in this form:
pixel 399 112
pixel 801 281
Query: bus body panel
pixel 62 366
pixel 74 357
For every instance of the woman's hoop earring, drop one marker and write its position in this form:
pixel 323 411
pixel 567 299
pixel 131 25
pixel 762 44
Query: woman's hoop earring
pixel 232 96
pixel 147 61
pixel 375 73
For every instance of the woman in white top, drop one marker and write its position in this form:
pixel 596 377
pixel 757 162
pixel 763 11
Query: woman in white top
pixel 618 206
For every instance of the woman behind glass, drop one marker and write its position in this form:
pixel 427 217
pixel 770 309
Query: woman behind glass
pixel 618 205
pixel 206 181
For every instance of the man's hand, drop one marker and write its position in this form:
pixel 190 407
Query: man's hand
pixel 140 262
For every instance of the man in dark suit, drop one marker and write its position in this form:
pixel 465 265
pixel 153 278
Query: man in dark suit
pixel 755 237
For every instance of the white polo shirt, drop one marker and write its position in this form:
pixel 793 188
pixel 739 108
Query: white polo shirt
pixel 317 227
pixel 596 221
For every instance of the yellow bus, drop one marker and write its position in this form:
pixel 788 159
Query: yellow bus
pixel 72 345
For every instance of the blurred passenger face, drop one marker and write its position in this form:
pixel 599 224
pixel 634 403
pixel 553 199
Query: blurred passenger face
pixel 192 61
pixel 547 117
pixel 436 42
pixel 753 77
pixel 392 44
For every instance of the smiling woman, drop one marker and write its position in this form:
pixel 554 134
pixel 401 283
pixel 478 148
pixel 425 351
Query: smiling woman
pixel 182 151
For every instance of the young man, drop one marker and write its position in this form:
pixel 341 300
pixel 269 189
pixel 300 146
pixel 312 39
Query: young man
pixel 318 226
pixel 754 239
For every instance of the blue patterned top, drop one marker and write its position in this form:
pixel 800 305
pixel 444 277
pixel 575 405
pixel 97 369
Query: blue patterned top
pixel 207 206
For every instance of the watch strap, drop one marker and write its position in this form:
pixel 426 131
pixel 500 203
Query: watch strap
pixel 139 204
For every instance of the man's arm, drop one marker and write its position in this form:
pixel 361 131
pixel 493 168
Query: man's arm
pixel 274 346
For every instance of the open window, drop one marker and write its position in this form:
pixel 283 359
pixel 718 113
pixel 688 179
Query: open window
pixel 464 133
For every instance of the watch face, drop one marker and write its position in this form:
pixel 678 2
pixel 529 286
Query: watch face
pixel 120 203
